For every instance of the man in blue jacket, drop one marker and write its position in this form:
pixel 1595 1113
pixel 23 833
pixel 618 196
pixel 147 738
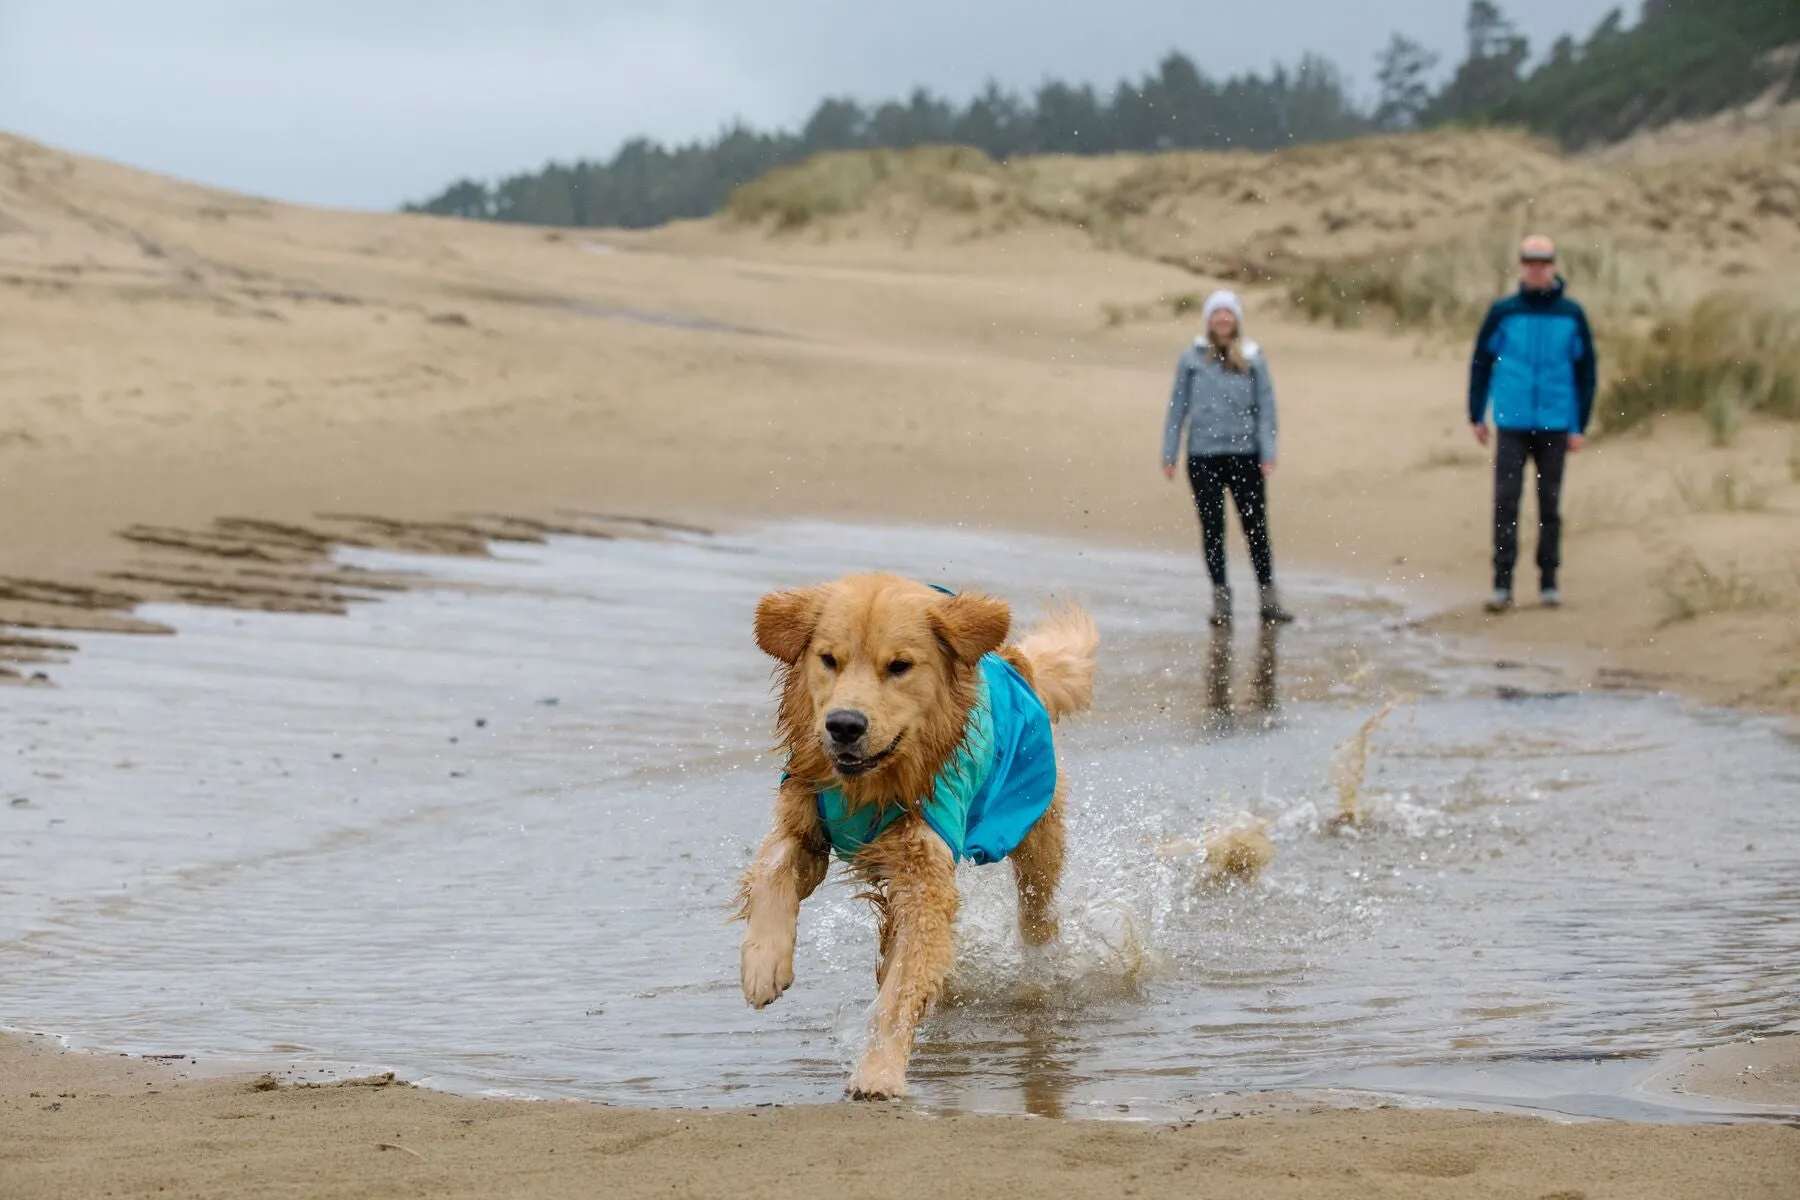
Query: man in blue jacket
pixel 1535 362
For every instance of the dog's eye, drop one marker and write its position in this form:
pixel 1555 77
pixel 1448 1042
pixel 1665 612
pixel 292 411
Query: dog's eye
pixel 899 667
pixel 829 660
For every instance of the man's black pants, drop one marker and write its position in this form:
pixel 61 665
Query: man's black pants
pixel 1211 475
pixel 1547 449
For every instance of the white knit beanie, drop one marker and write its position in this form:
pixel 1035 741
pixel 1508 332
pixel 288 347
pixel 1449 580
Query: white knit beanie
pixel 1222 299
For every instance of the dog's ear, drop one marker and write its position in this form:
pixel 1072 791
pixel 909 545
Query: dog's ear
pixel 785 622
pixel 972 624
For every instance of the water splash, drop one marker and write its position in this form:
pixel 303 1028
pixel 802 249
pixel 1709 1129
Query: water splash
pixel 1231 851
pixel 1349 764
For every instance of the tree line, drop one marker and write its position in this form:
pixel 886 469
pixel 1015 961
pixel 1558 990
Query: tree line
pixel 1682 58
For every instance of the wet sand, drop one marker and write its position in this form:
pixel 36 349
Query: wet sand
pixel 1763 1071
pixel 88 1124
pixel 81 1125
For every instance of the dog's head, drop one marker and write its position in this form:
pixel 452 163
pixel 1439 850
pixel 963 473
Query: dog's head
pixel 878 672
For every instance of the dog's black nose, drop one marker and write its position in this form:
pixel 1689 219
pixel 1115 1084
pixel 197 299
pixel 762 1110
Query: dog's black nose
pixel 845 725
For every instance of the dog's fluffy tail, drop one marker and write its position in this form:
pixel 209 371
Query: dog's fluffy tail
pixel 1060 653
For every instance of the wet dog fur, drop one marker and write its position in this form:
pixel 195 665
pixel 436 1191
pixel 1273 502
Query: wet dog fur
pixel 877 675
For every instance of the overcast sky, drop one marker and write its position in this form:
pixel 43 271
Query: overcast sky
pixel 365 103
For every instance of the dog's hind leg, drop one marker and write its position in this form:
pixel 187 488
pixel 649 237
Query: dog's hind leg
pixel 919 931
pixel 1037 870
pixel 791 864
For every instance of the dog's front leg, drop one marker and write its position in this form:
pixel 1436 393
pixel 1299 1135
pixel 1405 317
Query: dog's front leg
pixel 921 920
pixel 790 865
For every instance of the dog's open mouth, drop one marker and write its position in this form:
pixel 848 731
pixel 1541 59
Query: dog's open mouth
pixel 852 765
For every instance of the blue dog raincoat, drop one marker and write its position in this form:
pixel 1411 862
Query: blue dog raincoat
pixel 998 782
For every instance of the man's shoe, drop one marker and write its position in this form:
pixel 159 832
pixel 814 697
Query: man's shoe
pixel 1500 601
pixel 1550 598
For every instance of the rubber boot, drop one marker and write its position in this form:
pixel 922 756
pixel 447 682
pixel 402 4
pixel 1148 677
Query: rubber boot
pixel 1221 614
pixel 1272 612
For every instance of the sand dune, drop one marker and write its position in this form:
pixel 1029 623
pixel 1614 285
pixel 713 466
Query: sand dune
pixel 1257 216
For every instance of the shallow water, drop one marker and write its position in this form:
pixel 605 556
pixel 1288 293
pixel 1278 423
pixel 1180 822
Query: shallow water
pixel 486 832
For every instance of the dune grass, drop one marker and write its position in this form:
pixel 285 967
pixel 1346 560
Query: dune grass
pixel 1449 284
pixel 1727 491
pixel 1729 355
pixel 953 178
pixel 1600 509
pixel 1692 588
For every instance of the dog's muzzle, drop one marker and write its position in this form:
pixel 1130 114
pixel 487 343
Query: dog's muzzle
pixel 846 738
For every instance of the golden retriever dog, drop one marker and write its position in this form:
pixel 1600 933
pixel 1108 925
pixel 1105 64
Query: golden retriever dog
pixel 915 735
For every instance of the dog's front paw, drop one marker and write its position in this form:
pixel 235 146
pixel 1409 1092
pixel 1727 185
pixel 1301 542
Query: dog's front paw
pixel 767 970
pixel 877 1081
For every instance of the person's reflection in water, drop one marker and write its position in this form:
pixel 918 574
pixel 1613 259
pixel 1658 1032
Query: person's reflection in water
pixel 1264 692
pixel 1264 696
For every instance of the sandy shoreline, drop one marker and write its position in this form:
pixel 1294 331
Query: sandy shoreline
pixel 90 1125
pixel 316 378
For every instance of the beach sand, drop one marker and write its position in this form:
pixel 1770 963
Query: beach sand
pixel 93 1125
pixel 202 393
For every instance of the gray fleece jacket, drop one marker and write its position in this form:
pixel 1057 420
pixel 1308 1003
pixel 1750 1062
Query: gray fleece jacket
pixel 1222 411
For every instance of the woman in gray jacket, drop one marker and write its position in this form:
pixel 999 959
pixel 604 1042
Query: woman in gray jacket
pixel 1225 402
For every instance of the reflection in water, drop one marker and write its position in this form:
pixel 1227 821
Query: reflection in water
pixel 1028 1052
pixel 1263 700
pixel 1044 1073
